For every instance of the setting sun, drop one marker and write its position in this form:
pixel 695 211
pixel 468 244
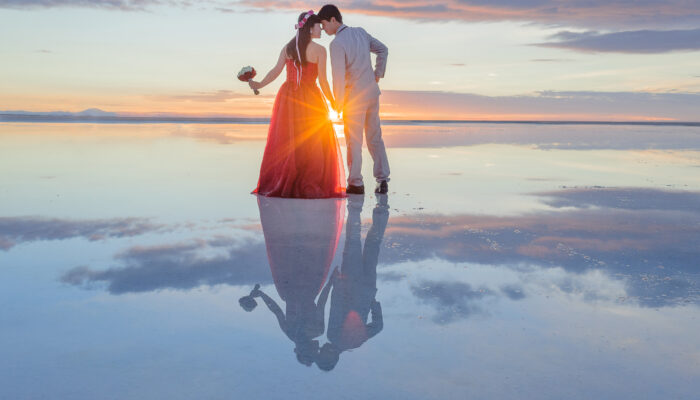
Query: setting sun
pixel 333 115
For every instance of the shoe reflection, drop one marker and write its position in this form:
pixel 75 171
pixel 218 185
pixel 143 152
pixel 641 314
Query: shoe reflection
pixel 355 287
pixel 301 237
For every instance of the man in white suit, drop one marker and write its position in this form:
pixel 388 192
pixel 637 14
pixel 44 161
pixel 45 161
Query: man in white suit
pixel 357 95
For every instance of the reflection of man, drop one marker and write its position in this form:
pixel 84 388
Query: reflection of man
pixel 354 289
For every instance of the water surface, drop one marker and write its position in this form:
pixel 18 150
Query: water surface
pixel 507 261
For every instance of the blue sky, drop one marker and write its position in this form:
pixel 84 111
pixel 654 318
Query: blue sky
pixel 640 58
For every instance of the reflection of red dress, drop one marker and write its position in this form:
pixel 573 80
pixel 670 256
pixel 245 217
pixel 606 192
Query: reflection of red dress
pixel 302 156
pixel 301 238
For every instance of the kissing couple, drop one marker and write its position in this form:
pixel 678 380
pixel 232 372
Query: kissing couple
pixel 302 156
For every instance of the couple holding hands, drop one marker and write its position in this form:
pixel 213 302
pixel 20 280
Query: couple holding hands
pixel 302 156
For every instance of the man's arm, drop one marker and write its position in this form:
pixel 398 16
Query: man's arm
pixel 382 52
pixel 338 67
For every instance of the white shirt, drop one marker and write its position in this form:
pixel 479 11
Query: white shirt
pixel 354 80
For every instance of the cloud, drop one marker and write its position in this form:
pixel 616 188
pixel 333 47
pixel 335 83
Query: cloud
pixel 643 237
pixel 541 136
pixel 642 41
pixel 592 13
pixel 123 5
pixel 299 236
pixel 543 106
pixel 17 230
pixel 458 300
pixel 218 96
pixel 551 60
pixel 180 266
pixel 513 292
pixel 452 300
pixel 222 134
pixel 646 238
pixel 624 198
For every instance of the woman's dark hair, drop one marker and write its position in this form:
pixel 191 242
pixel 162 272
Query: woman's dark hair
pixel 329 11
pixel 304 39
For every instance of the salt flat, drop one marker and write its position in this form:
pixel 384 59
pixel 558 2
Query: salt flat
pixel 507 261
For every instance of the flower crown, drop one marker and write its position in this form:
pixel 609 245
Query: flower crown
pixel 303 20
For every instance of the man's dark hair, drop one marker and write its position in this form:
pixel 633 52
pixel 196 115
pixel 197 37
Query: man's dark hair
pixel 329 11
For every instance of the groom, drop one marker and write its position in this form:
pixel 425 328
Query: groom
pixel 357 95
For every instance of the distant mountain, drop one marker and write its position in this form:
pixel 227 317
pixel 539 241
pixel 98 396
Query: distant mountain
pixel 96 112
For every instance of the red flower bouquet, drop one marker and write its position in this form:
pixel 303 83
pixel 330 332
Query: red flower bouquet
pixel 246 74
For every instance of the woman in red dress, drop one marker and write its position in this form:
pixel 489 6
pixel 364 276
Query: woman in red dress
pixel 302 157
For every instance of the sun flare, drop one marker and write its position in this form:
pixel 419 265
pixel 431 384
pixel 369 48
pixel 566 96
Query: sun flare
pixel 333 115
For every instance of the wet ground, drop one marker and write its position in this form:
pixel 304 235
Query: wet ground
pixel 507 261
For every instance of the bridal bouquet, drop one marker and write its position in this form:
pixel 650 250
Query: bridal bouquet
pixel 246 74
pixel 248 302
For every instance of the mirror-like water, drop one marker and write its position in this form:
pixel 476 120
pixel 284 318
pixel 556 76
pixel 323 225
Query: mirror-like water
pixel 507 261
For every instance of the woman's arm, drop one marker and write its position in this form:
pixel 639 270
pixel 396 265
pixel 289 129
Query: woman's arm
pixel 273 74
pixel 272 305
pixel 322 78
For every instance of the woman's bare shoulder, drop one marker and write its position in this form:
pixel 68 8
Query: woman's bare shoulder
pixel 317 47
pixel 315 52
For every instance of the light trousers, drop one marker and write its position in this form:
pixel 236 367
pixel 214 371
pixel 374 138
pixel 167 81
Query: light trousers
pixel 359 117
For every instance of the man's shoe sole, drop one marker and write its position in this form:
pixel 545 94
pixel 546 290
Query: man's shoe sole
pixel 355 190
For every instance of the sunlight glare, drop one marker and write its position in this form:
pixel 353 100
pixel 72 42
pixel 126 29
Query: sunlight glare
pixel 333 115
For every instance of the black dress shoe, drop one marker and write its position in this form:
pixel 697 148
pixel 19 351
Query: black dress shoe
pixel 352 189
pixel 382 187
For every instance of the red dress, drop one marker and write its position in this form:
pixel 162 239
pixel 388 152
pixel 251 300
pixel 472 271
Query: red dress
pixel 302 157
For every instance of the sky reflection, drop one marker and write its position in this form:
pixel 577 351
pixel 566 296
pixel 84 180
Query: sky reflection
pixel 301 239
pixel 645 237
pixel 484 262
pixel 17 230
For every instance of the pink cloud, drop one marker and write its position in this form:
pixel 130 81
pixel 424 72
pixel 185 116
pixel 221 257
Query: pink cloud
pixel 598 13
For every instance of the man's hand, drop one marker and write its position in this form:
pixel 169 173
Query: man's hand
pixel 377 78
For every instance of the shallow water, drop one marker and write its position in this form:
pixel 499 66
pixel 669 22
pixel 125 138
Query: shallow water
pixel 507 261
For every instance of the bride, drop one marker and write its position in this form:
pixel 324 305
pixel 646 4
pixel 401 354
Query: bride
pixel 302 157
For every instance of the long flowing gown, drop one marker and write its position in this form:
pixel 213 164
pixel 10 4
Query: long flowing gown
pixel 302 157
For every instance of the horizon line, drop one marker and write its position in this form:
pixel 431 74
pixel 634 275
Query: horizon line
pixel 9 117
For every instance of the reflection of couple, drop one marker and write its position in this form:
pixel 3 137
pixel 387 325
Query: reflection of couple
pixel 301 243
pixel 302 157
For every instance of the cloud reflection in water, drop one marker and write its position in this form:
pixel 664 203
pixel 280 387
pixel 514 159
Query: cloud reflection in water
pixel 17 230
pixel 179 266
pixel 643 237
pixel 626 233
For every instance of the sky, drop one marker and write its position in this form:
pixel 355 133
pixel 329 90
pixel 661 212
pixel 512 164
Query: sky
pixel 456 59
